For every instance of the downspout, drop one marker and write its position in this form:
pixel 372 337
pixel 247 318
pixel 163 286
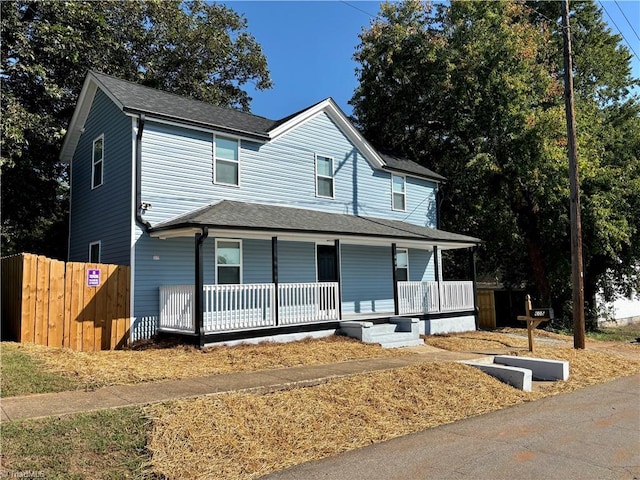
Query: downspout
pixel 198 312
pixel 439 200
pixel 394 276
pixel 138 206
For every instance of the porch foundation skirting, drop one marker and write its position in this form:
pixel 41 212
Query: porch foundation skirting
pixel 245 307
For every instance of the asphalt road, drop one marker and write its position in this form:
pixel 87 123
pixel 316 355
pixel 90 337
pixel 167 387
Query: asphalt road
pixel 592 433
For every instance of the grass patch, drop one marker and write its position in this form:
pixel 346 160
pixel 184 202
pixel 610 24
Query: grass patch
pixel 110 444
pixel 24 374
pixel 626 333
pixel 89 370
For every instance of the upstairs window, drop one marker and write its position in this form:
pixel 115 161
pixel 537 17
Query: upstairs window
pixel 97 162
pixel 324 177
pixel 399 194
pixel 94 252
pixel 226 169
pixel 402 264
pixel 229 261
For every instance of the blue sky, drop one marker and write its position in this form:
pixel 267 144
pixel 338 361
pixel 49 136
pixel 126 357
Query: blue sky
pixel 309 47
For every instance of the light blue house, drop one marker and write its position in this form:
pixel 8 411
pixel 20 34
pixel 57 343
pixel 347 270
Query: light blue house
pixel 238 226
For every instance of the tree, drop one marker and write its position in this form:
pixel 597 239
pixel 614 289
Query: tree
pixel 474 90
pixel 191 48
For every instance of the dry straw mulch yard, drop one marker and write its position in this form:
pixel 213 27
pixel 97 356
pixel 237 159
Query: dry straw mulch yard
pixel 116 367
pixel 244 436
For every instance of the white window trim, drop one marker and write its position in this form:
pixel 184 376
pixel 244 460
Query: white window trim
pixel 404 194
pixel 215 160
pixel 99 244
pixel 332 177
pixel 406 251
pixel 93 162
pixel 215 254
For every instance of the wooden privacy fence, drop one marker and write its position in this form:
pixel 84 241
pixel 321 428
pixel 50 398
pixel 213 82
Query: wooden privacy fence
pixel 82 306
pixel 487 309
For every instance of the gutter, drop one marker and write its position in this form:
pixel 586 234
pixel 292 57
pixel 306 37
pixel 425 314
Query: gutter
pixel 194 123
pixel 138 206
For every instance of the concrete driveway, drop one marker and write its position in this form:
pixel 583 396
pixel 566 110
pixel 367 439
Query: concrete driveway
pixel 592 433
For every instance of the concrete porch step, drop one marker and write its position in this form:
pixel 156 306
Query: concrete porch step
pixel 400 332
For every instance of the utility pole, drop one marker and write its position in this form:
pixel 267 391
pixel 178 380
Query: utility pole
pixel 574 186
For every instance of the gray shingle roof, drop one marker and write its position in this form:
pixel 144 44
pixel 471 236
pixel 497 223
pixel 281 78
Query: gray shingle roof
pixel 137 98
pixel 232 215
pixel 407 166
pixel 140 99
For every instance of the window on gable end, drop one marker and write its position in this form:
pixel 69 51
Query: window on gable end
pixel 324 177
pixel 97 162
pixel 226 169
pixel 398 193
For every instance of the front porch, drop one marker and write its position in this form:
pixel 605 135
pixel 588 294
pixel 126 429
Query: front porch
pixel 243 307
pixel 280 270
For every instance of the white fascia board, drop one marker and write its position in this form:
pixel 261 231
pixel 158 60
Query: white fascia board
pixel 417 176
pixel 329 107
pixel 80 114
pixel 179 232
pixel 310 237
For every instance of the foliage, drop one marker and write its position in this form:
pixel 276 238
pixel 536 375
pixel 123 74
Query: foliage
pixel 193 48
pixel 474 90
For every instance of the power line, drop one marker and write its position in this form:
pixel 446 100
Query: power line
pixel 357 8
pixel 619 31
pixel 625 17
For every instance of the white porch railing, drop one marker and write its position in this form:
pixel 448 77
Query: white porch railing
pixel 307 302
pixel 422 297
pixel 456 296
pixel 176 307
pixel 238 307
pixel 249 306
pixel 417 297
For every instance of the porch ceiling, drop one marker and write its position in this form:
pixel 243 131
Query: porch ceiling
pixel 260 220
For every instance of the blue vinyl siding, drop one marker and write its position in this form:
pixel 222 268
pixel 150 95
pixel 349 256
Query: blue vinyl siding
pixel 367 280
pixel 166 262
pixel 177 174
pixel 103 213
pixel 172 262
pixel 421 265
pixel 296 262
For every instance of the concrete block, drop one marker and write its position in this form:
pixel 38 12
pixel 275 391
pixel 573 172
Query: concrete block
pixel 405 324
pixel 517 377
pixel 435 326
pixel 359 330
pixel 541 368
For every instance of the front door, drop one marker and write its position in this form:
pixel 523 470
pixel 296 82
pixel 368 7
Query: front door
pixel 327 263
pixel 327 272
